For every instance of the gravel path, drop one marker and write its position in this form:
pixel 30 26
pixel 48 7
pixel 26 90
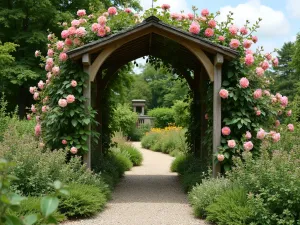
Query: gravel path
pixel 147 195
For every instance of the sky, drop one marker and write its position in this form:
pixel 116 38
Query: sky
pixel 280 18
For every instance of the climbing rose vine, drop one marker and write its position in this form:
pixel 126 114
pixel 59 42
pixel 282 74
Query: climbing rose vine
pixel 249 109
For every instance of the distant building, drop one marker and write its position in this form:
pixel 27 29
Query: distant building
pixel 139 107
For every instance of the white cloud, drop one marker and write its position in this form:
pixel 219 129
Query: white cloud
pixel 273 24
pixel 293 7
pixel 176 6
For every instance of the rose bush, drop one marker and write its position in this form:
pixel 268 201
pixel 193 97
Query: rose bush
pixel 248 107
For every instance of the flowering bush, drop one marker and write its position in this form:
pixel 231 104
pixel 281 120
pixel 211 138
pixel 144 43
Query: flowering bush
pixel 248 104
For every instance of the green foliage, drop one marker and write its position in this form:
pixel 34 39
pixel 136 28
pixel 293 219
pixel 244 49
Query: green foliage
pixel 204 194
pixel 231 208
pixel 83 201
pixel 134 154
pixel 137 133
pixel 124 119
pixel 123 160
pixel 181 113
pixel 149 140
pixel 163 116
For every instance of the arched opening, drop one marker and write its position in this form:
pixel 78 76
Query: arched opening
pixel 198 61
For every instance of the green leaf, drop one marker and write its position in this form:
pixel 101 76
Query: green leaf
pixel 64 192
pixel 30 219
pixel 12 220
pixel 227 155
pixel 57 184
pixel 16 199
pixel 74 122
pixel 87 121
pixel 72 113
pixel 49 205
pixel 225 83
pixel 227 167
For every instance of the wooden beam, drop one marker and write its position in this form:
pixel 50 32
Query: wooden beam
pixel 217 120
pixel 86 61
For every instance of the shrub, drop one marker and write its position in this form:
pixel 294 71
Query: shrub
pixel 149 140
pixel 163 116
pixel 177 162
pixel 231 208
pixel 189 180
pixel 204 194
pixel 122 159
pixel 181 113
pixel 137 133
pixel 83 201
pixel 135 155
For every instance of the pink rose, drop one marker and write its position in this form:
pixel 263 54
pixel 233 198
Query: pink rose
pixel 76 41
pixel 50 52
pixel 50 62
pixel 44 108
pixel 63 56
pixel 244 30
pixel 249 60
pixel 106 14
pixel 112 10
pixel 80 32
pixel 55 70
pixel 261 134
pixel 223 93
pixel 244 82
pixel 95 27
pixel 277 123
pixel 289 113
pixel 33 109
pixel 234 43
pixel 60 45
pixel 82 21
pixel 68 42
pixel 32 90
pixel 190 16
pixel 194 28
pixel 28 117
pixel 249 51
pixel 268 56
pixel 247 43
pixel 107 29
pixel 257 94
pixel 37 119
pixel 265 65
pixel 72 30
pixel 101 32
pixel 38 130
pixel 248 145
pixel 37 53
pixel 175 16
pixel 212 23
pixel 127 10
pixel 291 127
pixel 81 12
pixel 62 103
pixel 74 150
pixel 231 143
pixel 65 34
pixel 221 38
pixel 233 29
pixel 209 32
pixel 284 101
pixel 50 36
pixel 41 85
pixel 36 96
pixel 165 6
pixel 248 135
pixel 220 157
pixel 70 98
pixel 276 137
pixel 75 23
pixel 64 142
pixel 226 131
pixel 102 20
pixel 275 62
pixel 260 71
pixel 267 93
pixel 205 12
pixel 258 112
pixel 73 83
pixel 254 39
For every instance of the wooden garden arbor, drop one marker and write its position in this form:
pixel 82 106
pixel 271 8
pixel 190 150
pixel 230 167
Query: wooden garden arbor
pixel 184 51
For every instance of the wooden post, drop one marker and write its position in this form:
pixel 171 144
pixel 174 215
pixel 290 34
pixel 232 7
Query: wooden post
pixel 219 59
pixel 86 62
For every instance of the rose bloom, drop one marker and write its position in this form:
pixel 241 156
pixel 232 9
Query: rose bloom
pixel 247 43
pixel 176 16
pixel 37 53
pixel 101 32
pixel 277 123
pixel 275 62
pixel 70 98
pixel 62 102
pixel 73 83
pixel 64 142
pixel 38 130
pixel 289 113
pixel 81 12
pixel 75 23
pixel 267 93
pixel 209 32
pixel 268 56
pixel 55 70
pixel 72 31
pixel 50 52
pixel 244 82
pixel 37 119
pixel 258 112
pixel 274 99
pixel 49 62
pixel 278 96
pixel 291 127
pixel 212 23
pixel 261 134
pixel 76 41
pixel 265 65
pixel 221 38
pixel 36 96
pixel 74 150
pixel 205 12
pixel 28 117
pixel 63 56
pixel 248 145
pixel 49 75
pixel 68 42
pixel 184 17
pixel 41 85
pixel 194 28
pixel 260 71
pixel 102 20
pixel 244 30
pixel 276 137
pixel 50 36
pixel 254 39
pixel 234 43
pixel 60 45
pixel 106 14
pixel 220 157
pixel 65 34
pixel 112 10
pixel 44 108
pixel 284 101
pixel 165 6
pixel 81 32
pixel 226 131
pixel 249 59
pixel 233 29
pixel 248 135
pixel 107 29
pixel 190 16
pixel 223 93
pixel 32 90
pixel 249 51
pixel 257 94
pixel 95 27
pixel 33 109
pixel 127 10
pixel 231 143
